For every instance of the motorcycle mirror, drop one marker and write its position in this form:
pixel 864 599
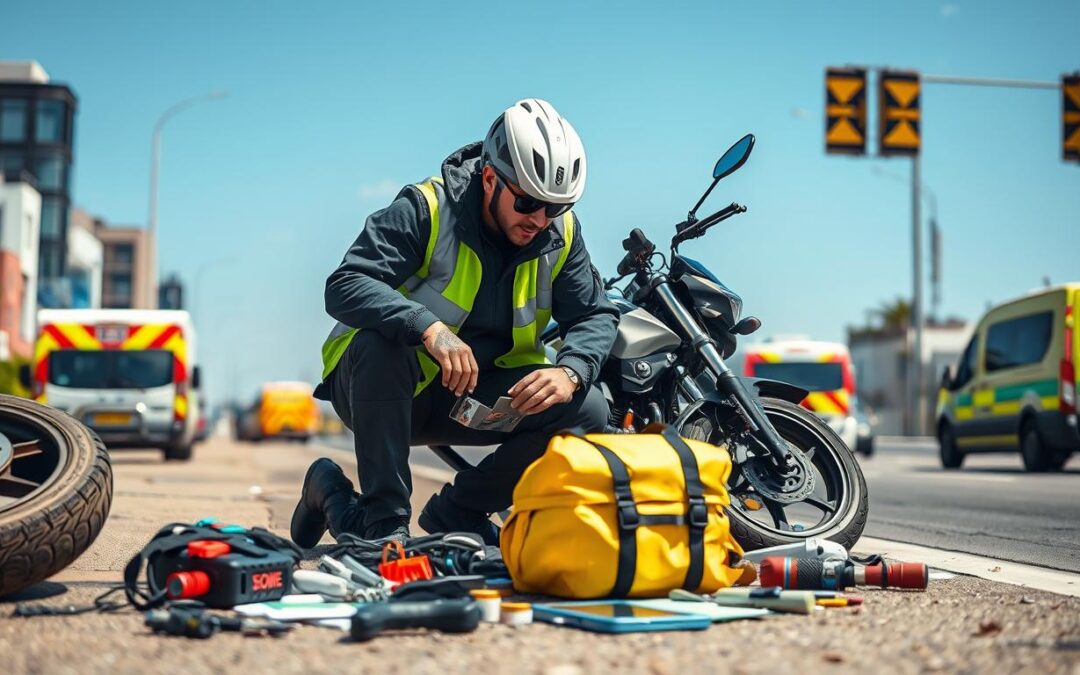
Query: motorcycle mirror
pixel 746 326
pixel 729 162
pixel 734 158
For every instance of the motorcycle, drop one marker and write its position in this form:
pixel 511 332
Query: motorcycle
pixel 55 491
pixel 792 477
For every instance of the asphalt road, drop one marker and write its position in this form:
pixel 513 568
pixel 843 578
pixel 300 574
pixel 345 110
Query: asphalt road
pixel 991 507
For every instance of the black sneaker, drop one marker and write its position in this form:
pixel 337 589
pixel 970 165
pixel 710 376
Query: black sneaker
pixel 389 529
pixel 324 486
pixel 442 515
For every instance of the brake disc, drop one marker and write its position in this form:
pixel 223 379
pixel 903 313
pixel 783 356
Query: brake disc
pixel 787 488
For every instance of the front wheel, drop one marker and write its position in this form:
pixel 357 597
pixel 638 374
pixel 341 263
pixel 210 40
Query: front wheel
pixel 836 508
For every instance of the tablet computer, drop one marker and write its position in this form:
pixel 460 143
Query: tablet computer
pixel 616 616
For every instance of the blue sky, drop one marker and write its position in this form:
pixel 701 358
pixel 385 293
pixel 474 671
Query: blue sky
pixel 334 105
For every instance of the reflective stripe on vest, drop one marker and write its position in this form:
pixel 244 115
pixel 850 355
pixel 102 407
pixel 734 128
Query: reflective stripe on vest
pixel 449 279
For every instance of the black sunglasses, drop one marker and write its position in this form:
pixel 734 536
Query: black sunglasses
pixel 526 204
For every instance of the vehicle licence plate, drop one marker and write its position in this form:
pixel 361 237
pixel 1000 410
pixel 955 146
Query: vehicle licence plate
pixel 112 419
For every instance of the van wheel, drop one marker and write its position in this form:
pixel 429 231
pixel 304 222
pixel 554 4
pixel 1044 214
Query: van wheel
pixel 951 457
pixel 1037 457
pixel 178 453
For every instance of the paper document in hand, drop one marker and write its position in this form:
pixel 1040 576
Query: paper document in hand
pixel 471 413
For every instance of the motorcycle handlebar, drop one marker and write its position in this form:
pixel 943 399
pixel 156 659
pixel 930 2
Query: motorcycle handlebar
pixel 700 227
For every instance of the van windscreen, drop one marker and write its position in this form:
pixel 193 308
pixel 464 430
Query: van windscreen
pixel 110 369
pixel 811 376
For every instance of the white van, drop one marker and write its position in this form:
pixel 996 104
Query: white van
pixel 128 374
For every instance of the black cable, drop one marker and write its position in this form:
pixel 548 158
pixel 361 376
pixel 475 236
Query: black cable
pixel 100 604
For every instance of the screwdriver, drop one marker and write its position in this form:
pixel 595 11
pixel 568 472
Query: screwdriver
pixel 793 602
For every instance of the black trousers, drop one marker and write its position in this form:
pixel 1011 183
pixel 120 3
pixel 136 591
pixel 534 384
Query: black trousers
pixel 372 391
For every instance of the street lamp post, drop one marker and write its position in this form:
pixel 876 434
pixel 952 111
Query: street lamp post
pixel 155 165
pixel 919 191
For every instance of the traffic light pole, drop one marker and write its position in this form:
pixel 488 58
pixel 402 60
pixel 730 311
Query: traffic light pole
pixel 990 82
pixel 917 420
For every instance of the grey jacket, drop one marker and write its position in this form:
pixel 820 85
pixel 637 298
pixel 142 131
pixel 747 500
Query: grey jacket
pixel 361 292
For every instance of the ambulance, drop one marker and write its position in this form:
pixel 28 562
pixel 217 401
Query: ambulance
pixel 128 374
pixel 822 368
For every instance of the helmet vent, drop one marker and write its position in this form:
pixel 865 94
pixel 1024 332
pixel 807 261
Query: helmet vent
pixel 525 104
pixel 559 173
pixel 577 165
pixel 538 162
pixel 543 130
pixel 504 154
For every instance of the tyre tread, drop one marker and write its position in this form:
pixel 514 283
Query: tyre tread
pixel 41 544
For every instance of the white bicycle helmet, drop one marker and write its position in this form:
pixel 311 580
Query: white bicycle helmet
pixel 532 145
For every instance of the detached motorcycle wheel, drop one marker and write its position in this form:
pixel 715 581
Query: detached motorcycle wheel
pixel 55 491
pixel 835 510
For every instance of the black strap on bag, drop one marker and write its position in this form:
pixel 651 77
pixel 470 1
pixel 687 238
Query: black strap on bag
pixel 697 513
pixel 628 520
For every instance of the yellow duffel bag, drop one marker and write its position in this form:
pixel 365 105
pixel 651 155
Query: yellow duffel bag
pixel 622 515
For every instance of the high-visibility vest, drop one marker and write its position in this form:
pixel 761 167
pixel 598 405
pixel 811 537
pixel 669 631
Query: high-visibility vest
pixel 449 279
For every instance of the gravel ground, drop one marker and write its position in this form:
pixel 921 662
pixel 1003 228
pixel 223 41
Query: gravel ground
pixel 963 624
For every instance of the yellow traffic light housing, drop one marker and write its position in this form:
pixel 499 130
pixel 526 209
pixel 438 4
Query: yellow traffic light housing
pixel 899 113
pixel 845 111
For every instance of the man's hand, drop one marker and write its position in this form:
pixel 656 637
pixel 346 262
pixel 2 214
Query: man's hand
pixel 455 358
pixel 541 389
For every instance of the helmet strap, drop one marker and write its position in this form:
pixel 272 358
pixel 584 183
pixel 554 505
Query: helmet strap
pixel 491 205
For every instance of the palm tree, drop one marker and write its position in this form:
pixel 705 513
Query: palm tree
pixel 895 315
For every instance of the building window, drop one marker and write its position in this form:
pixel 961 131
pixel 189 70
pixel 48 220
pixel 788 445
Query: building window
pixel 49 122
pixel 122 254
pixel 50 261
pixel 11 163
pixel 120 285
pixel 51 220
pixel 12 120
pixel 49 170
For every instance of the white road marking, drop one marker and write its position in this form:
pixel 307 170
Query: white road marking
pixel 1003 571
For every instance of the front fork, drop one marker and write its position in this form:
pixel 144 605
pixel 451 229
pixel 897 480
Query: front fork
pixel 728 385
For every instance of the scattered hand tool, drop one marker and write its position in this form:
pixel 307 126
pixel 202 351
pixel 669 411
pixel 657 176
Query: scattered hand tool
pixel 793 602
pixel 449 616
pixel 840 574
pixel 192 622
pixel 404 569
pixel 334 587
pixel 810 549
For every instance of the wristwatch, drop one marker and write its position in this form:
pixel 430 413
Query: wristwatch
pixel 574 377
